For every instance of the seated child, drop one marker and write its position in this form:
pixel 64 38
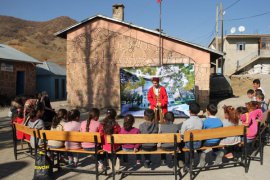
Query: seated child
pixel 35 121
pixel 251 95
pixel 92 125
pixel 168 127
pixel 231 119
pixel 193 122
pixel 260 99
pixel 58 125
pixel 109 127
pixel 210 123
pixel 129 129
pixel 73 124
pixel 250 118
pixel 148 127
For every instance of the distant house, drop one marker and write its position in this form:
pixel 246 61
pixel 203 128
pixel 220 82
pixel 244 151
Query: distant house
pixel 245 53
pixel 17 73
pixel 99 46
pixel 51 78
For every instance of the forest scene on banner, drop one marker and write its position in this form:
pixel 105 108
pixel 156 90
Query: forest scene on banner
pixel 178 79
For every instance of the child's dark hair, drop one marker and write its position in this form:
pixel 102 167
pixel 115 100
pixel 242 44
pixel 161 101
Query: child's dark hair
pixel 109 121
pixel 19 112
pixel 149 115
pixel 260 96
pixel 232 114
pixel 55 121
pixel 241 110
pixel 194 108
pixel 250 91
pixel 94 112
pixel 33 111
pixel 256 81
pixel 258 91
pixel 212 109
pixel 128 122
pixel 62 114
pixel 169 116
pixel 73 114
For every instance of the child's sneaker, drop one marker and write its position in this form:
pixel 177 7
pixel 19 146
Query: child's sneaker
pixel 229 156
pixel 110 163
pixel 219 157
pixel 202 160
pixel 163 162
pixel 117 164
pixel 181 164
pixel 100 166
pixel 147 164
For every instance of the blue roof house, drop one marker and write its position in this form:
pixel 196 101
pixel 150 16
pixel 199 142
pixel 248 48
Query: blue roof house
pixel 17 73
pixel 52 78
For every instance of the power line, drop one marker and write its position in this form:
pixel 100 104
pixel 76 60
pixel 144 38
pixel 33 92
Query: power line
pixel 248 17
pixel 228 7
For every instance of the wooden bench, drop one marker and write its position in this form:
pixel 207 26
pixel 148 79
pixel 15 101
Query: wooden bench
pixel 26 130
pixel 259 143
pixel 74 137
pixel 205 134
pixel 142 139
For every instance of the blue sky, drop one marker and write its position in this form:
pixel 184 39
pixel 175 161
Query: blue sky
pixel 190 20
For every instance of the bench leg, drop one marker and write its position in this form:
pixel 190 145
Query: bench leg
pixel 15 149
pixel 261 152
pixel 96 164
pixel 175 166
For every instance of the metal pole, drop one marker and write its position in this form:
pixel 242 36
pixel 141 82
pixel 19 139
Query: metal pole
pixel 221 26
pixel 160 49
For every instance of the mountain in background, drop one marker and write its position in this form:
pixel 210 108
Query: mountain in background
pixel 36 39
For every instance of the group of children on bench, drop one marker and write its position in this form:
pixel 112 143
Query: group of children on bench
pixel 70 121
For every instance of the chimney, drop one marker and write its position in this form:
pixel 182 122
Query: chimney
pixel 118 12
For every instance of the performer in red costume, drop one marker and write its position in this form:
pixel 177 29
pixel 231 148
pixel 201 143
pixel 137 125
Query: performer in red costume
pixel 158 99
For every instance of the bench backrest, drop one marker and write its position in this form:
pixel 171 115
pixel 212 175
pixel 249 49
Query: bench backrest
pixel 70 136
pixel 144 138
pixel 204 134
pixel 24 129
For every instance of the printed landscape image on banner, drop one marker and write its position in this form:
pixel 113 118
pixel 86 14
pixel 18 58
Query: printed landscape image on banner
pixel 178 79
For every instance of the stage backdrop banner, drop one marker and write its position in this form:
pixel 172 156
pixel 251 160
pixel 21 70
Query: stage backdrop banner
pixel 178 79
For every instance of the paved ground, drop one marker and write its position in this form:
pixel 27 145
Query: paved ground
pixel 23 167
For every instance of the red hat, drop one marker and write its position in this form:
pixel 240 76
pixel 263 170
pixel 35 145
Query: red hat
pixel 155 79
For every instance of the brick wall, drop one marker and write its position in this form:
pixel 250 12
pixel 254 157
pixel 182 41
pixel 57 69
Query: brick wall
pixel 95 53
pixel 8 79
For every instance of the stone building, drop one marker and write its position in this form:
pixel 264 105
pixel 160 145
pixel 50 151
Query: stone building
pixel 243 52
pixel 98 46
pixel 17 74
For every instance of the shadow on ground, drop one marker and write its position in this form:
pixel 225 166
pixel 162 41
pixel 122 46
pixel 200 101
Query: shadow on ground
pixel 11 168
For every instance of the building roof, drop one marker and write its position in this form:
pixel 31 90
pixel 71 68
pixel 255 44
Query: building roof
pixel 50 68
pixel 10 54
pixel 239 36
pixel 63 33
pixel 247 35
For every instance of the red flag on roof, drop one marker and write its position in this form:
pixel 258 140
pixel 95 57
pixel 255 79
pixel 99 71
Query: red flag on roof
pixel 159 1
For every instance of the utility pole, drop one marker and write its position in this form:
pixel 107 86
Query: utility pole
pixel 160 31
pixel 222 41
pixel 217 28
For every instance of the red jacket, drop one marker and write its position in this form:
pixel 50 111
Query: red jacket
pixel 163 97
pixel 106 146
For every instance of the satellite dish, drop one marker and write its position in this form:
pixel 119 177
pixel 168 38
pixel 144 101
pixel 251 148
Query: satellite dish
pixel 233 29
pixel 241 29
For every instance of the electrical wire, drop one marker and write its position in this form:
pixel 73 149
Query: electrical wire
pixel 248 17
pixel 228 7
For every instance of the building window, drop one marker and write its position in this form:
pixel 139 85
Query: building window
pixel 241 46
